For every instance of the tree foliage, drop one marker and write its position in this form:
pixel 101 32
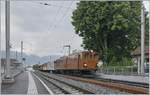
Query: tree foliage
pixel 109 28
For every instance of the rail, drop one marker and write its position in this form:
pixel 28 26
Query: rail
pixel 65 87
pixel 113 85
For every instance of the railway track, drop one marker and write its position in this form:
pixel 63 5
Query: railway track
pixel 143 85
pixel 60 87
pixel 53 88
pixel 138 84
pixel 116 87
pixel 113 84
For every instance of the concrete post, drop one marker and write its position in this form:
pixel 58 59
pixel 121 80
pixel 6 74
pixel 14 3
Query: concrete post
pixel 114 70
pixel 23 65
pixel 21 51
pixel 149 43
pixel 7 22
pixel 0 52
pixel 8 77
pixel 138 61
pixel 142 37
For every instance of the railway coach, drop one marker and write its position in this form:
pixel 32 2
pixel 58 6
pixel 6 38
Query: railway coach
pixel 47 67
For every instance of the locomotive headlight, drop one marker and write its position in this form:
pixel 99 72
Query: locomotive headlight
pixel 85 65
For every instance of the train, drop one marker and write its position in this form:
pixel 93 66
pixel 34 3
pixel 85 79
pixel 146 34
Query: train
pixel 78 62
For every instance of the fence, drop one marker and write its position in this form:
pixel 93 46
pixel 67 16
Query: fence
pixel 118 70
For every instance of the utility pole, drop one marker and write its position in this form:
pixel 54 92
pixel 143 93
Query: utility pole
pixel 0 52
pixel 22 54
pixel 69 47
pixel 7 27
pixel 142 37
pixel 149 39
pixel 8 78
pixel 16 55
pixel 50 58
pixel 21 50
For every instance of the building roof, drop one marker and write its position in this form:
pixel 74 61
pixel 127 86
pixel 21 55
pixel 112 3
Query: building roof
pixel 137 51
pixel 12 61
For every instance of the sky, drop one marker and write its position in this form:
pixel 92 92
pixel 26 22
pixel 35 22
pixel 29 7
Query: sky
pixel 44 29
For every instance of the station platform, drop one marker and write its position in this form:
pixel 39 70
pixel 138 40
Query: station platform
pixel 25 83
pixel 138 79
pixel 14 73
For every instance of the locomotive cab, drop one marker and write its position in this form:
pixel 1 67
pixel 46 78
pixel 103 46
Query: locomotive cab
pixel 88 60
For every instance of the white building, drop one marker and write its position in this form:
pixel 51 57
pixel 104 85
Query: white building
pixel 137 56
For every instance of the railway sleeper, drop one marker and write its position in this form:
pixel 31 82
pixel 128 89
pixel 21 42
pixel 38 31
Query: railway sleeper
pixel 72 86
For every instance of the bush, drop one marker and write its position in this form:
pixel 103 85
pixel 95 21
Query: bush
pixel 123 62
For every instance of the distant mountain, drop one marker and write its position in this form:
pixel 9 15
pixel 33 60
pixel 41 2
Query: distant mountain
pixel 30 59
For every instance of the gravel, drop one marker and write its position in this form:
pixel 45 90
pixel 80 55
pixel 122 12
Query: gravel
pixel 88 86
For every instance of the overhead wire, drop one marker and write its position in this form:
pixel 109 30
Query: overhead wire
pixel 60 7
pixel 52 27
pixel 63 16
pixel 57 13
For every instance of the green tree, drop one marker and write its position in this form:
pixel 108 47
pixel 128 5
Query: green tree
pixel 36 67
pixel 109 28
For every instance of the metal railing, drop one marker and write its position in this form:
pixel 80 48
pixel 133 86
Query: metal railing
pixel 118 70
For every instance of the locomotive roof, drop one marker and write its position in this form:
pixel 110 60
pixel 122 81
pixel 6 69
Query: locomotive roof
pixel 75 53
pixel 137 51
pixel 82 52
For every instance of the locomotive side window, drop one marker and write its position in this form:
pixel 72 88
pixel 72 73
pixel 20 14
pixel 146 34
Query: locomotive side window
pixel 83 56
pixel 95 56
pixel 80 56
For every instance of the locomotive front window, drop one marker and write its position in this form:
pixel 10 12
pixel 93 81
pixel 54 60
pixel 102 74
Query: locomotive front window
pixel 91 56
pixel 88 56
pixel 85 56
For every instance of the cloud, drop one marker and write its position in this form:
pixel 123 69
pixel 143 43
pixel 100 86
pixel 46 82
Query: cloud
pixel 146 4
pixel 41 27
pixel 44 29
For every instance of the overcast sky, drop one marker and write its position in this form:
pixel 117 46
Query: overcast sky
pixel 44 29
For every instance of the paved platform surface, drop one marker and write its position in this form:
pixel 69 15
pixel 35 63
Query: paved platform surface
pixel 40 88
pixel 140 79
pixel 20 86
pixel 25 83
